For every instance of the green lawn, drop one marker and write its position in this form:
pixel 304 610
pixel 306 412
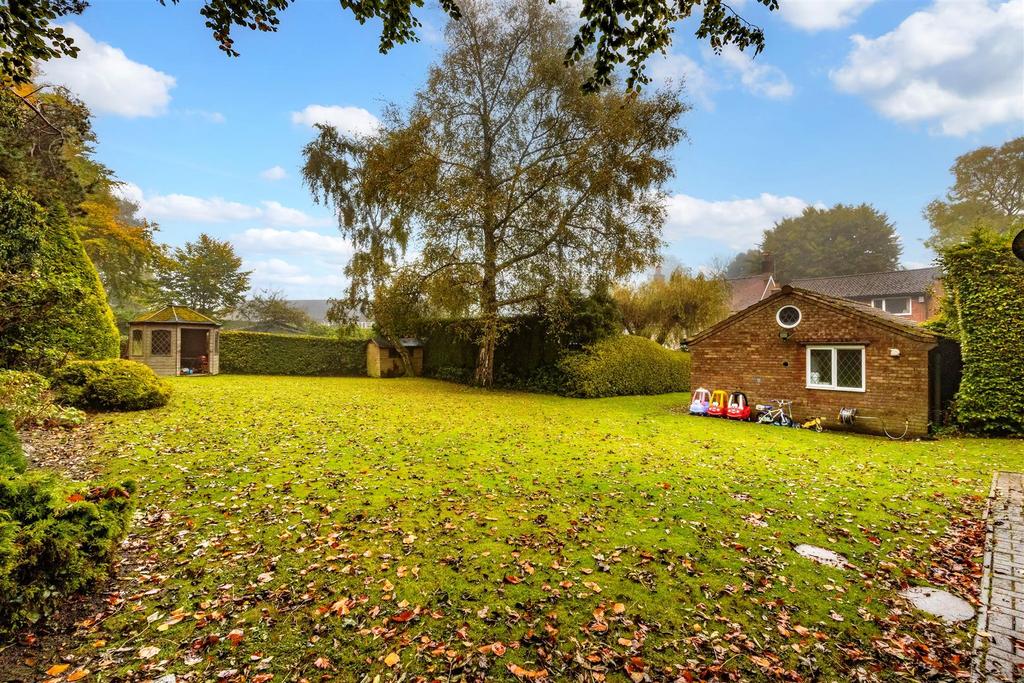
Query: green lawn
pixel 397 527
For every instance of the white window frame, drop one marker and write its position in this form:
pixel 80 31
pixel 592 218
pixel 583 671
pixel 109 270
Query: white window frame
pixel 799 316
pixel 880 303
pixel 833 385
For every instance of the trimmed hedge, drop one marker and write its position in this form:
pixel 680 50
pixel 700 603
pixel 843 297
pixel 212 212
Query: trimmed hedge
pixel 529 351
pixel 113 384
pixel 11 456
pixel 985 283
pixel 624 366
pixel 260 353
pixel 55 539
pixel 53 303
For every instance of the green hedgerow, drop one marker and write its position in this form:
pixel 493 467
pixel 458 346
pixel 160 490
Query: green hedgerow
pixel 54 540
pixel 259 353
pixel 985 284
pixel 624 366
pixel 114 384
pixel 11 456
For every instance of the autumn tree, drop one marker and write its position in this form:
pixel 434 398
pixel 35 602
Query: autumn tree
pixel 670 309
pixel 272 308
pixel 515 185
pixel 987 192
pixel 612 31
pixel 205 275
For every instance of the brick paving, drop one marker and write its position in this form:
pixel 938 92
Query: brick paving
pixel 1000 640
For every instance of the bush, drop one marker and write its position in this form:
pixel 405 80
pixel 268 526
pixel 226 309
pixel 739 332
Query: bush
pixel 52 303
pixel 623 366
pixel 27 397
pixel 54 540
pixel 113 384
pixel 985 283
pixel 259 353
pixel 11 456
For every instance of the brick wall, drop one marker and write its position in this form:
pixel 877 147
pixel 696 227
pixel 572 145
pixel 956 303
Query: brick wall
pixel 748 355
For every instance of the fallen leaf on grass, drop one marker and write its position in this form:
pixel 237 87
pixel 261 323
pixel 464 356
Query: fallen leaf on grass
pixel 57 669
pixel 527 674
pixel 392 659
pixel 236 636
pixel 148 652
pixel 77 675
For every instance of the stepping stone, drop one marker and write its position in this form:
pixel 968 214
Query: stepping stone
pixel 822 556
pixel 939 603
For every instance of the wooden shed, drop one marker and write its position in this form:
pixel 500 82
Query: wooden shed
pixel 384 360
pixel 175 341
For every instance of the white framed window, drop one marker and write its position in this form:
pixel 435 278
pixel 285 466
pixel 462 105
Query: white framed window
pixel 836 368
pixel 788 316
pixel 897 305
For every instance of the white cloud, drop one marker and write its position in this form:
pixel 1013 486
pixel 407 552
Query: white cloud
pixel 107 80
pixel 757 77
pixel 208 116
pixel 737 223
pixel 275 273
pixel 274 173
pixel 958 64
pixel 815 15
pixel 330 248
pixel 676 68
pixel 349 120
pixel 185 207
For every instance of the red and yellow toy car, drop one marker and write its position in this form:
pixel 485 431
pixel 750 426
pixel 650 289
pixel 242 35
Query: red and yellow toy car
pixel 738 407
pixel 719 403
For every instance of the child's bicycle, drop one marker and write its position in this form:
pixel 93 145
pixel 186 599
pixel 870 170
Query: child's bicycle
pixel 815 423
pixel 780 414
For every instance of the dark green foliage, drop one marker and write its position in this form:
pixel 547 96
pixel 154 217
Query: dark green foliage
pixel 529 349
pixel 11 457
pixel 624 366
pixel 54 541
pixel 52 303
pixel 256 353
pixel 113 384
pixel 985 285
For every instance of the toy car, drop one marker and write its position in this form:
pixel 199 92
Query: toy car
pixel 699 402
pixel 738 407
pixel 718 404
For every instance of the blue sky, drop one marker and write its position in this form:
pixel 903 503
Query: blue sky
pixel 852 101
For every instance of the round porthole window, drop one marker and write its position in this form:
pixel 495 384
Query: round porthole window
pixel 788 316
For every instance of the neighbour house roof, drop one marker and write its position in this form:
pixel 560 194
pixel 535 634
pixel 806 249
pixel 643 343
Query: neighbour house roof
pixel 889 283
pixel 317 310
pixel 175 314
pixel 407 342
pixel 746 291
pixel 274 327
pixel 875 316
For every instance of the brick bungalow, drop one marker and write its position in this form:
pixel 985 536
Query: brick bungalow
pixel 826 353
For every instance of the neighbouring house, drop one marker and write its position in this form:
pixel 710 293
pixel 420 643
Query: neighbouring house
pixel 824 354
pixel 747 291
pixel 317 309
pixel 175 341
pixel 912 294
pixel 384 360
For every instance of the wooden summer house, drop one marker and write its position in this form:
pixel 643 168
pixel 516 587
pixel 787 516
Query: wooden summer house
pixel 384 360
pixel 175 341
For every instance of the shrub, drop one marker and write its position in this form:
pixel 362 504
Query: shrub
pixel 52 303
pixel 623 366
pixel 29 400
pixel 113 384
pixel 985 309
pixel 54 540
pixel 259 353
pixel 11 457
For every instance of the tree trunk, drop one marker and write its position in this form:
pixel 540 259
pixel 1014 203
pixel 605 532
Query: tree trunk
pixel 488 335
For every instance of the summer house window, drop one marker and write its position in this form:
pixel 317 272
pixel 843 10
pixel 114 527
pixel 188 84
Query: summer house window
pixel 899 305
pixel 136 343
pixel 160 343
pixel 839 368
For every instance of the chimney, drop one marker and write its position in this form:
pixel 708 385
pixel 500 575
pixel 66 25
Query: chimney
pixel 658 275
pixel 767 263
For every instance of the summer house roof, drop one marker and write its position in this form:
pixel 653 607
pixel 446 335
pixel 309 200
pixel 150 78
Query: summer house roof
pixel 175 314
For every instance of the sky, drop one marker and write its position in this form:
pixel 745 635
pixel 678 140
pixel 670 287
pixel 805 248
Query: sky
pixel 852 101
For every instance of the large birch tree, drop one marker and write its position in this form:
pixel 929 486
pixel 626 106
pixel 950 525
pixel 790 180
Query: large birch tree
pixel 515 185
